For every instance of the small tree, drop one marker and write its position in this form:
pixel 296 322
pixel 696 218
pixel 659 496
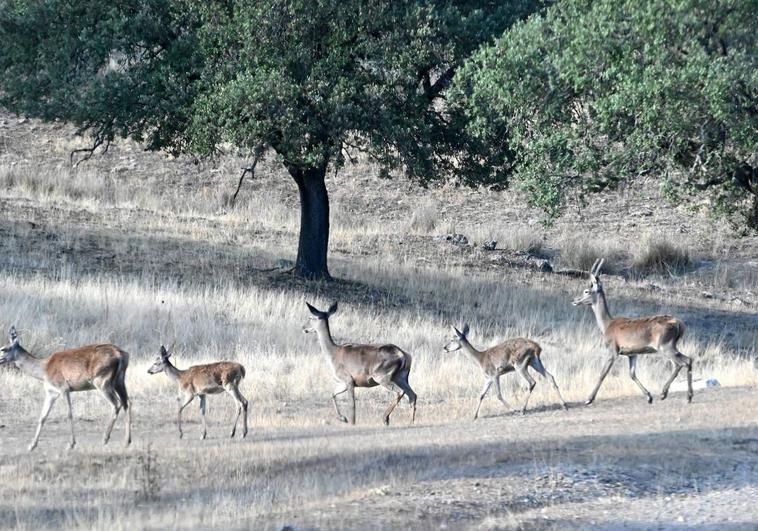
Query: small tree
pixel 594 93
pixel 317 81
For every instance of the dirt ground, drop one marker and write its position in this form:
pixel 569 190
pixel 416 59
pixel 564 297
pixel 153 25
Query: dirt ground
pixel 619 463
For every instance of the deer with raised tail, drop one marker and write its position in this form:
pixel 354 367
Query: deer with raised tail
pixel 101 367
pixel 512 355
pixel 362 366
pixel 632 337
pixel 201 380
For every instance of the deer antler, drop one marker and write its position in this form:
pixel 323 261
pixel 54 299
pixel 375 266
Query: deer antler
pixel 598 265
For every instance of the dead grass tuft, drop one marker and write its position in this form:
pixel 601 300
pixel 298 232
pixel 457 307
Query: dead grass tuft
pixel 658 256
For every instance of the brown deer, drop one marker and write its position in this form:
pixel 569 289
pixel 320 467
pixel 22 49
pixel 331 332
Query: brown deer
pixel 201 380
pixel 512 355
pixel 101 367
pixel 634 336
pixel 362 366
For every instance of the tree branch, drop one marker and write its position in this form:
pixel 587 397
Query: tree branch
pixel 258 152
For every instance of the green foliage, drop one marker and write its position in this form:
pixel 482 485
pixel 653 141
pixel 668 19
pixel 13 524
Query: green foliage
pixel 594 93
pixel 316 80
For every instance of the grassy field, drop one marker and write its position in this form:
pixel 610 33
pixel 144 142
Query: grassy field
pixel 139 250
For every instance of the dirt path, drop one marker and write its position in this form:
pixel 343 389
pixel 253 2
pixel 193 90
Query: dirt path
pixel 617 464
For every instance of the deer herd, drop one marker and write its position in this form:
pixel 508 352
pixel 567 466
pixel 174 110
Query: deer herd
pixel 103 367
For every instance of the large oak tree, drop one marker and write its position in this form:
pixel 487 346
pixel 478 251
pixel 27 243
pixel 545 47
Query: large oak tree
pixel 317 81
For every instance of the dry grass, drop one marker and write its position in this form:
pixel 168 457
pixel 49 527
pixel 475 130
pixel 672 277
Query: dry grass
pixel 141 251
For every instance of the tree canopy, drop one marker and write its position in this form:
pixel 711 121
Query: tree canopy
pixel 317 81
pixel 590 94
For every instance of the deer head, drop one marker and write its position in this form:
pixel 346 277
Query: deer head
pixel 318 318
pixel 455 340
pixel 591 294
pixel 10 351
pixel 160 362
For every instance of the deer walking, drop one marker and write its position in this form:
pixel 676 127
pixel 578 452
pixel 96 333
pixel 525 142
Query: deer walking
pixel 101 367
pixel 201 380
pixel 632 337
pixel 362 366
pixel 512 355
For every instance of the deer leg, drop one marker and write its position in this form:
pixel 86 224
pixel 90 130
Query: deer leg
pixel 67 394
pixel 402 383
pixel 499 392
pixel 688 360
pixel 606 370
pixel 679 360
pixel 394 389
pixel 485 389
pixel 110 396
pixel 242 408
pixel 521 369
pixel 536 364
pixel 182 402
pixel 120 388
pixel 341 388
pixel 50 399
pixel 351 400
pixel 202 415
pixel 633 374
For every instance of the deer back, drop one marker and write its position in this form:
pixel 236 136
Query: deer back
pixel 79 368
pixel 512 352
pixel 640 333
pixel 212 377
pixel 364 362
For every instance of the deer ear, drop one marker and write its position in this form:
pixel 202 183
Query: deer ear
pixel 457 332
pixel 12 334
pixel 332 309
pixel 465 330
pixel 313 310
pixel 164 353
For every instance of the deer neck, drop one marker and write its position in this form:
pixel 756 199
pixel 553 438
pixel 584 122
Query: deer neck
pixel 471 352
pixel 602 315
pixel 30 365
pixel 172 372
pixel 325 341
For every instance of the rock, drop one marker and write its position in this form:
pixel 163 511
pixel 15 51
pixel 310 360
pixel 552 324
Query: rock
pixel 455 238
pixel 284 264
pixel 489 245
pixel 542 265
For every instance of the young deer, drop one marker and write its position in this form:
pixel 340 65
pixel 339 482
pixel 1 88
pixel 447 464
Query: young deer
pixel 101 367
pixel 632 337
pixel 362 366
pixel 511 355
pixel 201 380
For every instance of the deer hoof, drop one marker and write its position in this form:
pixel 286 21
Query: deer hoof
pixel 32 447
pixel 589 401
pixel 71 445
pixel 244 434
pixel 386 421
pixel 343 419
pixel 689 399
pixel 650 399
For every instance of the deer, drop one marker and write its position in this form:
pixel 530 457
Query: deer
pixel 631 337
pixel 201 380
pixel 102 367
pixel 515 354
pixel 362 366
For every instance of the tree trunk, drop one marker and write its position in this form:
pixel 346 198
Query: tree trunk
pixel 314 223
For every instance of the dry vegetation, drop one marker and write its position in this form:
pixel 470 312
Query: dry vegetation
pixel 139 250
